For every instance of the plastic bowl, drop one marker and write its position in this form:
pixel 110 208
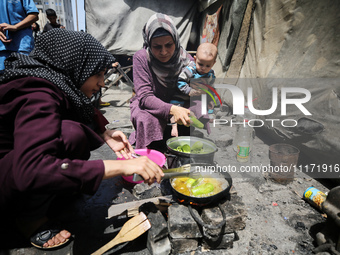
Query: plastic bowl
pixel 154 155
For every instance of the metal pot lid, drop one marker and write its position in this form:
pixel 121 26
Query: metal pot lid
pixel 208 146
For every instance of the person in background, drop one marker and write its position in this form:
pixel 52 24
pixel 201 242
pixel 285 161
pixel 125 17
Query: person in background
pixel 48 126
pixel 52 17
pixel 201 68
pixel 155 73
pixel 16 18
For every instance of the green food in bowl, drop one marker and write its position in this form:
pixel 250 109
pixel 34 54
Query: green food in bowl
pixel 186 148
pixel 197 147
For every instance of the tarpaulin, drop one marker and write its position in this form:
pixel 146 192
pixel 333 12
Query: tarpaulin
pixel 118 24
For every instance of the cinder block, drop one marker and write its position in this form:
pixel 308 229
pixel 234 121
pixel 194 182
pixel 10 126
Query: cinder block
pixel 235 216
pixel 159 226
pixel 224 141
pixel 225 242
pixel 161 247
pixel 181 224
pixel 180 245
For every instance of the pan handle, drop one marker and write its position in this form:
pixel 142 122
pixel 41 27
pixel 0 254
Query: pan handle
pixel 169 155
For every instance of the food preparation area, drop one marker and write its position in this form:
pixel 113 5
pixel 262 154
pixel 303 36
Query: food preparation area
pixel 274 219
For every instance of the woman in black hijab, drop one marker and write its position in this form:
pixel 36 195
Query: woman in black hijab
pixel 48 126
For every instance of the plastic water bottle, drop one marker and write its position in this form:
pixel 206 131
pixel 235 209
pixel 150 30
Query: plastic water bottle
pixel 242 120
pixel 243 141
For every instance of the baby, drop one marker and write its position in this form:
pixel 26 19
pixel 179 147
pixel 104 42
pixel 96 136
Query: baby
pixel 205 58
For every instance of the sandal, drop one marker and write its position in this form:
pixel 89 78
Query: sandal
pixel 40 238
pixel 103 104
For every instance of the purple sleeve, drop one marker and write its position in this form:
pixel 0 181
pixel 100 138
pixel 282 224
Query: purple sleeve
pixel 145 87
pixel 37 142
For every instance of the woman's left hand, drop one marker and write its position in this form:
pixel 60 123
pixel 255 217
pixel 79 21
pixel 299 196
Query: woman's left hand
pixel 118 143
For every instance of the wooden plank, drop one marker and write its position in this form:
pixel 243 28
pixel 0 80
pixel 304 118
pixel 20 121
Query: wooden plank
pixel 118 209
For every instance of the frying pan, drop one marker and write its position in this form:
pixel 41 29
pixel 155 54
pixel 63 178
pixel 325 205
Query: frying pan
pixel 200 201
pixel 209 230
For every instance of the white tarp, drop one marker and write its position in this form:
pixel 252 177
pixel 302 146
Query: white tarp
pixel 118 24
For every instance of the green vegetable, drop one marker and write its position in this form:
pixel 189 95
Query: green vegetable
pixel 197 147
pixel 186 148
pixel 196 123
pixel 191 182
pixel 179 148
pixel 202 189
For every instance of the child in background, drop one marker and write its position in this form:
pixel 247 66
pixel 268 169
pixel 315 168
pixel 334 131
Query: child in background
pixel 52 17
pixel 200 68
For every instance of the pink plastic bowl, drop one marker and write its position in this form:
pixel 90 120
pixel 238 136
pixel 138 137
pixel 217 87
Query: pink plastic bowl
pixel 154 155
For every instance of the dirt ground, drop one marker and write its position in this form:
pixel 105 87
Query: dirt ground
pixel 278 220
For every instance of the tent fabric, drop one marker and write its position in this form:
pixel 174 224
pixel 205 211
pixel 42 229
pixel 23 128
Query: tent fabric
pixel 118 24
pixel 296 44
pixel 231 21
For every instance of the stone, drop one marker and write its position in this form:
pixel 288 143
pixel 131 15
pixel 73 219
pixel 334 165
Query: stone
pixel 224 141
pixel 145 191
pixel 235 215
pixel 181 224
pixel 223 115
pixel 226 241
pixel 159 226
pixel 180 245
pixel 161 247
pixel 123 197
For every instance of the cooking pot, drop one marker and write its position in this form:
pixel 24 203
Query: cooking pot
pixel 178 158
pixel 211 232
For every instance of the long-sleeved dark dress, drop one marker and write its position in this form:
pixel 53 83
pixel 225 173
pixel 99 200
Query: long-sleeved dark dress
pixel 43 148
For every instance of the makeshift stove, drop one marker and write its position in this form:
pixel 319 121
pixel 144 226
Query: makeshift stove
pixel 181 223
pixel 328 240
pixel 178 228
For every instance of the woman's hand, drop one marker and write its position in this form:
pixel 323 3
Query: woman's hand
pixel 143 166
pixel 118 143
pixel 180 114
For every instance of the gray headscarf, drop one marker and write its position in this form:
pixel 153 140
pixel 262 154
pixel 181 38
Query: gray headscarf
pixel 65 58
pixel 167 73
